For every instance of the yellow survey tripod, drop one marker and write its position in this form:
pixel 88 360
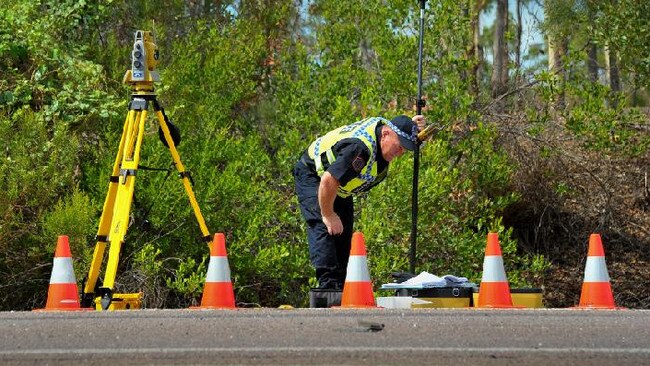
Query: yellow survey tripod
pixel 114 220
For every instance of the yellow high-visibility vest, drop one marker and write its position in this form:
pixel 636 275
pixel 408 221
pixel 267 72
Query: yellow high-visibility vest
pixel 364 130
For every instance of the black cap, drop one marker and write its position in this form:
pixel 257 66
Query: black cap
pixel 406 130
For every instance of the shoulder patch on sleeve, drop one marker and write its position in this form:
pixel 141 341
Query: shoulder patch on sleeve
pixel 358 163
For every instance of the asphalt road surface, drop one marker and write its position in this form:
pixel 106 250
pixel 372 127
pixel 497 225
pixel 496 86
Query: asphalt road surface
pixel 327 337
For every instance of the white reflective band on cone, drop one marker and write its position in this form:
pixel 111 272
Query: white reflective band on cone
pixel 218 270
pixel 596 270
pixel 62 271
pixel 493 270
pixel 357 269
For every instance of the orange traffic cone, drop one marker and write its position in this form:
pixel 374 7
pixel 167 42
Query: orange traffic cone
pixel 62 293
pixel 596 289
pixel 357 290
pixel 217 291
pixel 494 291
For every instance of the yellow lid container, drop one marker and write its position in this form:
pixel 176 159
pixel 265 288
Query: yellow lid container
pixel 442 297
pixel 526 297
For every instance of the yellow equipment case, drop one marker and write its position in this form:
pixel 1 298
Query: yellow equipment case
pixel 527 297
pixel 440 297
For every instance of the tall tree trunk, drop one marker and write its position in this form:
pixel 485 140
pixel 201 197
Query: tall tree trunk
pixel 500 69
pixel 518 40
pixel 613 77
pixel 592 62
pixel 550 52
pixel 475 51
pixel 557 49
pixel 592 52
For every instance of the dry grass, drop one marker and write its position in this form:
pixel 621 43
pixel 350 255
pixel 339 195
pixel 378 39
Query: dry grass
pixel 567 193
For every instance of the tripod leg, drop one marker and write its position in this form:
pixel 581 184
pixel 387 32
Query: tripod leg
pixel 105 221
pixel 124 196
pixel 182 172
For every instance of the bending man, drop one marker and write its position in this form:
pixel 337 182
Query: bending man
pixel 344 162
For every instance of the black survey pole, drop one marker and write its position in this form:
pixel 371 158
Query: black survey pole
pixel 416 152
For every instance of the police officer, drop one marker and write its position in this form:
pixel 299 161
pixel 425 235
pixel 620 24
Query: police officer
pixel 344 162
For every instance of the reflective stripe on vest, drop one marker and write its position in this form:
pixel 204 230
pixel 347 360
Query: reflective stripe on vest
pixel 364 130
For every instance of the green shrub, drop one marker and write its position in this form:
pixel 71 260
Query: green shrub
pixel 74 217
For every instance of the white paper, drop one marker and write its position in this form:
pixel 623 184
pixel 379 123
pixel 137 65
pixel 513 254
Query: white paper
pixel 428 280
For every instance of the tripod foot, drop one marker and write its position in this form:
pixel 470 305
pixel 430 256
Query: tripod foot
pixel 107 297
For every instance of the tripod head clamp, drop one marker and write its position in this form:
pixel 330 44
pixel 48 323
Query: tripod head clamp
pixel 429 132
pixel 144 59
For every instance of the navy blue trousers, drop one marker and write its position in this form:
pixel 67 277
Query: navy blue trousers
pixel 329 254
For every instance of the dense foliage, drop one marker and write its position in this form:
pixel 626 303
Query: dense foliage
pixel 250 83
